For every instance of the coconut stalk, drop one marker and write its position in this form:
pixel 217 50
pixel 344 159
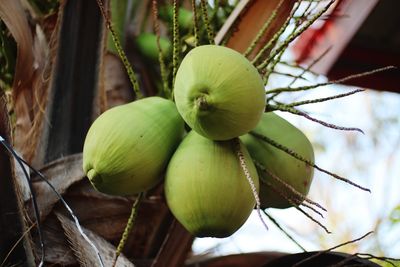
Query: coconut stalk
pixel 248 18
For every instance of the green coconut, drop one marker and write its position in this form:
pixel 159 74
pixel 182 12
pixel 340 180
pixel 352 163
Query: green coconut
pixel 218 92
pixel 292 171
pixel 146 43
pixel 185 17
pixel 128 147
pixel 205 186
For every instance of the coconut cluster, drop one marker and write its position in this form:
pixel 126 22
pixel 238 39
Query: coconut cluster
pixel 220 95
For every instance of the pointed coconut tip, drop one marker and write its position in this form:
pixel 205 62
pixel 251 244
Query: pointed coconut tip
pixel 92 175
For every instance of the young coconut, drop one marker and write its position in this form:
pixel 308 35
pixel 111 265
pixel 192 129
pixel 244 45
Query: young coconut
pixel 128 147
pixel 185 17
pixel 290 170
pixel 205 186
pixel 218 92
pixel 146 43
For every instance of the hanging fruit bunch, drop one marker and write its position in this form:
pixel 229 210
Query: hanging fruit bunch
pixel 206 132
pixel 279 171
pixel 215 139
pixel 220 95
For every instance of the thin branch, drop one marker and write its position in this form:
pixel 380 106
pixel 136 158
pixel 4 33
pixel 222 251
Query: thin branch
pixel 312 209
pixel 292 110
pixel 291 201
pixel 163 70
pixel 128 227
pixel 385 259
pixel 272 219
pixel 267 74
pixel 274 38
pixel 319 100
pixel 289 75
pixel 210 32
pixel 357 256
pixel 277 59
pixel 176 43
pixel 261 32
pixel 314 220
pixel 299 157
pixel 339 81
pixel 246 172
pixel 121 53
pixel 312 64
pixel 287 186
pixel 309 10
pixel 330 249
pixel 195 24
pixel 298 66
pixel 292 37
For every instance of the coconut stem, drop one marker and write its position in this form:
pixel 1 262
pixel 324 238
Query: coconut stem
pixel 263 29
pixel 121 53
pixel 299 157
pixel 287 186
pixel 286 108
pixel 275 62
pixel 330 249
pixel 274 38
pixel 312 64
pixel 176 43
pixel 319 100
pixel 128 228
pixel 293 36
pixel 242 161
pixel 339 81
pixel 369 256
pixel 273 220
pixel 163 70
pixel 293 202
pixel 195 24
pixel 210 32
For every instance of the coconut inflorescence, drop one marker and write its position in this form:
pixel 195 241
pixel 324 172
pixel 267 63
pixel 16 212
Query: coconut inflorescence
pixel 283 172
pixel 221 97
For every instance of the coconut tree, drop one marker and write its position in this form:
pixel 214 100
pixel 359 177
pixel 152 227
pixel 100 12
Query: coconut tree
pixel 65 63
